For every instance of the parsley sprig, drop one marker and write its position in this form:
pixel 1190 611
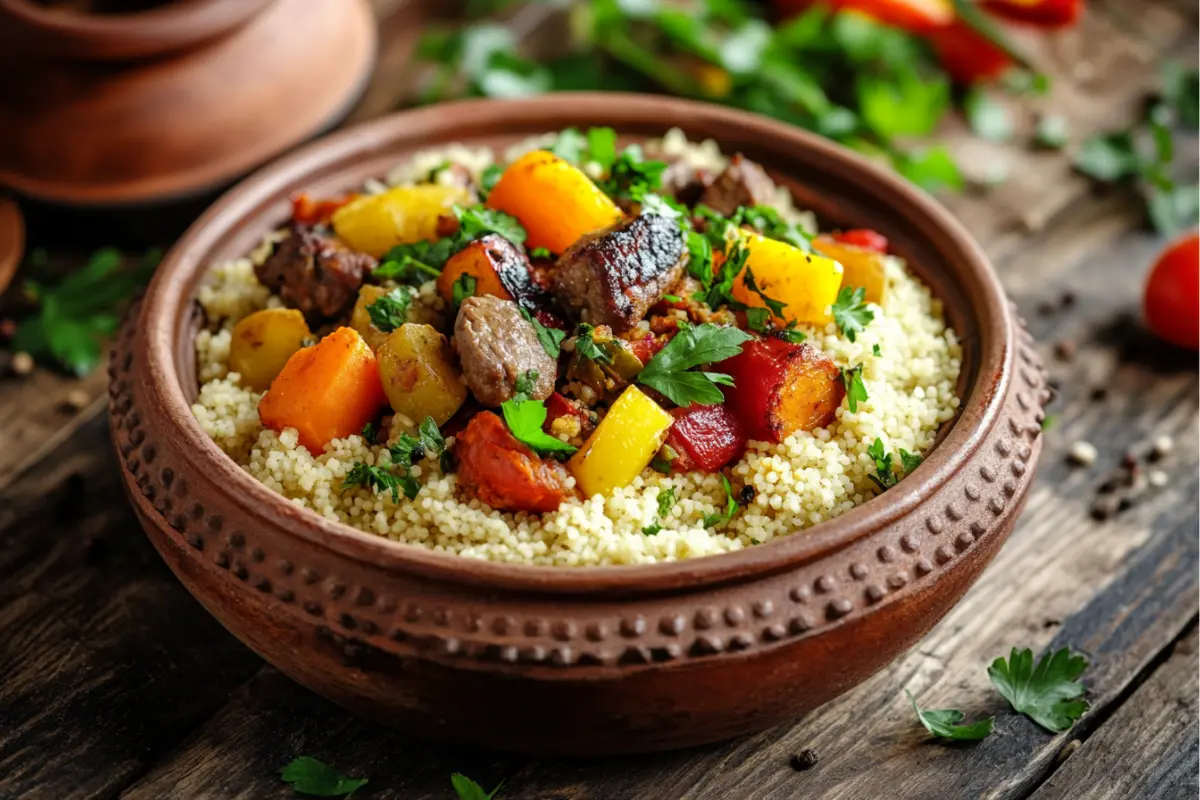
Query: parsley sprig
pixel 666 501
pixel 419 262
pixel 885 475
pixel 525 418
pixel 390 311
pixel 406 452
pixel 721 516
pixel 1047 693
pixel 669 370
pixel 850 313
pixel 467 789
pixel 945 722
pixel 856 389
pixel 309 776
pixel 585 345
pixel 551 339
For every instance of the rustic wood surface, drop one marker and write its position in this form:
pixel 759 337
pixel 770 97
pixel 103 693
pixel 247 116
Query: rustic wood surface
pixel 115 682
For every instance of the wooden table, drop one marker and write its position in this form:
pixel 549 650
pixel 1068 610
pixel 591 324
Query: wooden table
pixel 115 682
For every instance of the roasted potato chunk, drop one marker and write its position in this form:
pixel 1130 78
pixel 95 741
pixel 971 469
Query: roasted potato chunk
pixel 375 223
pixel 263 342
pixel 419 375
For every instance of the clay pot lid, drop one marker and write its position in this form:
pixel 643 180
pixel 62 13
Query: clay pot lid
pixel 12 241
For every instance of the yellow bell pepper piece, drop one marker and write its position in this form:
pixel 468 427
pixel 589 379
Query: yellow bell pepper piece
pixel 863 267
pixel 807 284
pixel 622 445
pixel 375 223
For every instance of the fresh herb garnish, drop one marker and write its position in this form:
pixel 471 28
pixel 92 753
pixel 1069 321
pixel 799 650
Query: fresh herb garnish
pixel 668 372
pixel 776 306
pixel 585 345
pixel 477 221
pixel 569 145
pixel 369 433
pixel 79 313
pixel 909 461
pixel 768 221
pixel 856 390
pixel 462 288
pixel 378 479
pixel 757 319
pixel 885 476
pixel 489 178
pixel 850 313
pixel 988 118
pixel 672 298
pixel 792 334
pixel 666 500
pixel 662 461
pixel 602 146
pixel 631 176
pixel 526 416
pixel 541 252
pixel 875 351
pixel 944 723
pixel 551 339
pixel 731 507
pixel 1046 693
pixel 717 290
pixel 390 311
pixel 415 263
pixel 467 789
pixel 309 776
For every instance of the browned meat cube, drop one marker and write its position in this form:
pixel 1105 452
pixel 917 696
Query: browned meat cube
pixel 613 276
pixel 684 182
pixel 315 273
pixel 496 345
pixel 743 183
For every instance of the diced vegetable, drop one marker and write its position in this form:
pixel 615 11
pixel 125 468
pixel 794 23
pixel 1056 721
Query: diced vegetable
pixel 782 388
pixel 484 260
pixel 646 348
pixel 263 342
pixel 360 318
pixel 419 375
pixel 553 199
pixel 805 283
pixel 705 438
pixel 403 215
pixel 327 391
pixel 622 445
pixel 498 470
pixel 860 267
pixel 865 238
pixel 307 211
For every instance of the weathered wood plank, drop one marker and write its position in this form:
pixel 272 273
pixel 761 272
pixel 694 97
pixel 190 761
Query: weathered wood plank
pixel 1148 748
pixel 106 660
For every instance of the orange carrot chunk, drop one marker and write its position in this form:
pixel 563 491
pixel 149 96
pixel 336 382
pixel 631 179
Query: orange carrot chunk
pixel 327 391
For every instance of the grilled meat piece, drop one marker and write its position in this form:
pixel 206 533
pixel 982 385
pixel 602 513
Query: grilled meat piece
pixel 495 346
pixel 315 273
pixel 617 273
pixel 743 183
pixel 684 182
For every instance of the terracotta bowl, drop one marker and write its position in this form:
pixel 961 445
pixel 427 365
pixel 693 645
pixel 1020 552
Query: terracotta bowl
pixel 599 660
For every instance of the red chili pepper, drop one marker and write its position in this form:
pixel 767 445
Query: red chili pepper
pixel 1043 13
pixel 917 16
pixel 705 438
pixel 864 238
pixel 307 211
pixel 966 55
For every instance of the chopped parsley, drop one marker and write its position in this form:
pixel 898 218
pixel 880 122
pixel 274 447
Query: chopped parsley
pixel 666 501
pixel 662 206
pixel 856 390
pixel 662 461
pixel 369 433
pixel 417 262
pixel 717 290
pixel 602 146
pixel 672 298
pixel 462 288
pixel 792 334
pixel 551 339
pixel 467 789
pixel 875 351
pixel 850 313
pixel 776 306
pixel 569 145
pixel 631 176
pixel 767 221
pixel 700 257
pixel 909 461
pixel 405 453
pixel 525 417
pixel 378 479
pixel 944 723
pixel 585 345
pixel 668 371
pixel 731 507
pixel 477 221
pixel 309 776
pixel 757 319
pixel 1047 693
pixel 541 252
pixel 390 311
pixel 489 178
pixel 885 476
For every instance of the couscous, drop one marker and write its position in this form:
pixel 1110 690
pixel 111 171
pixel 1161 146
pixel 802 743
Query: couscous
pixel 573 354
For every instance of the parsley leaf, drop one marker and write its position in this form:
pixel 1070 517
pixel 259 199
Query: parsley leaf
pixel 988 118
pixel 776 306
pixel 489 178
pixel 551 339
pixel 718 289
pixel 731 507
pixel 700 257
pixel 585 345
pixel 541 252
pixel 309 776
pixel 662 461
pixel 767 221
pixel 378 479
pixel 757 319
pixel 526 416
pixel 909 461
pixel 462 288
pixel 850 313
pixel 390 311
pixel 666 501
pixel 631 175
pixel 856 390
pixel 875 351
pixel 944 722
pixel 1046 693
pixel 467 789
pixel 884 477
pixel 792 334
pixel 476 221
pixel 653 529
pixel 602 146
pixel 692 346
pixel 415 263
pixel 569 145
pixel 369 433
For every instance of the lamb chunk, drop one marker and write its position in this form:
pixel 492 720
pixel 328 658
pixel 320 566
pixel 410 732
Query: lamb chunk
pixel 685 183
pixel 315 273
pixel 496 345
pixel 743 183
pixel 613 276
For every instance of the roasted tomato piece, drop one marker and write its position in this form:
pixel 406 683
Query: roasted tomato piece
pixel 705 438
pixel 863 237
pixel 782 388
pixel 307 211
pixel 558 406
pixel 496 469
pixel 645 348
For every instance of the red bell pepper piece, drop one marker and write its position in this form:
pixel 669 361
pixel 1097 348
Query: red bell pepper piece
pixel 558 406
pixel 864 238
pixel 1042 13
pixel 917 16
pixel 307 211
pixel 705 438
pixel 645 348
pixel 966 55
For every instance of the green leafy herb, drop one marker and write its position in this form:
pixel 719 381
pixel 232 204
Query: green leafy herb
pixel 909 461
pixel 462 288
pixel 731 507
pixel 390 311
pixel 415 263
pixel 662 461
pixel 489 178
pixel 666 500
pixel 718 288
pixel 369 433
pixel 776 306
pixel 570 145
pixel 884 476
pixel 875 351
pixel 856 390
pixel 792 334
pixel 76 316
pixel 672 298
pixel 757 319
pixel 1047 693
pixel 526 416
pixel 551 339
pixel 662 206
pixel 653 529
pixel 477 221
pixel 541 252
pixel 767 221
pixel 378 479
pixel 309 776
pixel 602 146
pixel 631 176
pixel 931 168
pixel 988 118
pixel 700 257
pixel 1052 132
pixel 850 313
pixel 944 723
pixel 467 789
pixel 668 373
pixel 585 345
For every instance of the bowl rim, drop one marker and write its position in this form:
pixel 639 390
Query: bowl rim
pixel 171 295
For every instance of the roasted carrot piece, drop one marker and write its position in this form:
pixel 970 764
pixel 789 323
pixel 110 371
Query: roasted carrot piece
pixel 327 391
pixel 496 469
pixel 782 388
pixel 485 260
pixel 555 201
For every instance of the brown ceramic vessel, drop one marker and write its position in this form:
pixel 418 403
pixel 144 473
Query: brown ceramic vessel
pixel 172 101
pixel 594 660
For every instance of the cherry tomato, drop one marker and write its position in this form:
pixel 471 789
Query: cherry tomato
pixel 916 16
pixel 966 55
pixel 1172 299
pixel 864 238
pixel 1042 13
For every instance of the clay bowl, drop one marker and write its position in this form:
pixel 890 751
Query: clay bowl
pixel 595 660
